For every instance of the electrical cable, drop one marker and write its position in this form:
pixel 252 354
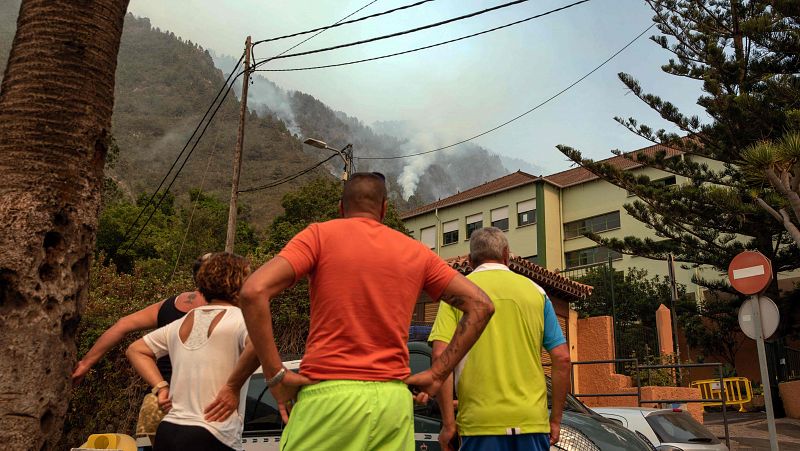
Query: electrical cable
pixel 397 157
pixel 227 81
pixel 425 47
pixel 396 34
pixel 166 176
pixel 175 177
pixel 194 206
pixel 287 178
pixel 340 22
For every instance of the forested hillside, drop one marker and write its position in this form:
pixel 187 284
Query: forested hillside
pixel 163 87
pixel 413 181
pixel 165 84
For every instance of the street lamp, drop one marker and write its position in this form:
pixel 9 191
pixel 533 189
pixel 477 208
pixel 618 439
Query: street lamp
pixel 345 153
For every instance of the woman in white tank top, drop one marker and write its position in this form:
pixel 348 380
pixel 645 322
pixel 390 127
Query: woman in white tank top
pixel 204 347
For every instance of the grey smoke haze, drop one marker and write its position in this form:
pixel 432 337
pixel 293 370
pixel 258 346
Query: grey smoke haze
pixel 263 96
pixel 463 88
pixel 387 138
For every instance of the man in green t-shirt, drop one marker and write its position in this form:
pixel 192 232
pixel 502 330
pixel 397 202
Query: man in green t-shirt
pixel 501 386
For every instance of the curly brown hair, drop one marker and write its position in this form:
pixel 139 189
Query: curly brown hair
pixel 221 276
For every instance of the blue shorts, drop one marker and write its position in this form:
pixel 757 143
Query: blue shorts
pixel 522 442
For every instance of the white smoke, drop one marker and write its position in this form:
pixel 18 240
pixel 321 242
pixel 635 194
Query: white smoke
pixel 416 166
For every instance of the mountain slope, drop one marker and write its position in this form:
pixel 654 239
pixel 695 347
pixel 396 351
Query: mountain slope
pixel 412 180
pixel 163 87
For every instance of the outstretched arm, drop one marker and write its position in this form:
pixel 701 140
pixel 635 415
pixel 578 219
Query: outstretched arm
pixel 144 319
pixel 478 309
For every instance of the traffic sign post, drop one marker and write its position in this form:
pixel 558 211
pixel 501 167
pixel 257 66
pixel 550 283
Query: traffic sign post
pixel 751 273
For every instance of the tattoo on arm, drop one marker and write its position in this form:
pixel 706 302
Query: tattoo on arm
pixel 190 299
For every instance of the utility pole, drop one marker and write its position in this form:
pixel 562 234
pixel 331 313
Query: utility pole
pixel 237 156
pixel 348 161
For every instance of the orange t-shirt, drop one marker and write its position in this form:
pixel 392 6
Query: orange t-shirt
pixel 365 279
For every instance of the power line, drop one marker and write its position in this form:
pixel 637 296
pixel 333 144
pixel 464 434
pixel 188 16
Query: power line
pixel 397 157
pixel 427 46
pixel 396 34
pixel 197 141
pixel 287 178
pixel 186 160
pixel 335 24
pixel 341 21
pixel 185 146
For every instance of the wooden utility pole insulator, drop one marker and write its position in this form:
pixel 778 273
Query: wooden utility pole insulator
pixel 237 156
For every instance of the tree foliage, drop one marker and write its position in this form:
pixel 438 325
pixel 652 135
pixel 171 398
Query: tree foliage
pixel 108 399
pixel 747 56
pixel 175 235
pixel 776 167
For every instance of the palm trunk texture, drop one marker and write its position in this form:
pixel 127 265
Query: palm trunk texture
pixel 56 101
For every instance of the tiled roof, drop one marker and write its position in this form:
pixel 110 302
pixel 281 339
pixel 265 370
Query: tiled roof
pixel 562 179
pixel 512 180
pixel 580 175
pixel 552 282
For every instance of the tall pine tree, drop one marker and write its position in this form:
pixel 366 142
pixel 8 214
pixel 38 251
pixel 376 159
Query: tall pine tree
pixel 747 56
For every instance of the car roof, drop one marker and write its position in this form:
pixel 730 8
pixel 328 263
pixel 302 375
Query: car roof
pixel 289 364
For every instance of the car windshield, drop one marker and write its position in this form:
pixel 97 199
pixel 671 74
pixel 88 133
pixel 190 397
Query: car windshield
pixel 679 427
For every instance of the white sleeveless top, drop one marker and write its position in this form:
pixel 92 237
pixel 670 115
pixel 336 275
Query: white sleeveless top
pixel 201 366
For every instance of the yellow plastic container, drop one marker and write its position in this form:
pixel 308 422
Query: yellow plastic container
pixel 121 442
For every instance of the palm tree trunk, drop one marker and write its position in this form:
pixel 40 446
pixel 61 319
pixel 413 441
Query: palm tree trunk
pixel 56 101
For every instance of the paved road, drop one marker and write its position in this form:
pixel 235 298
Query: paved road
pixel 749 431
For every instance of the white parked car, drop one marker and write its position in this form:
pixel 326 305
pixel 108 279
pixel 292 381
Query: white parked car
pixel 667 429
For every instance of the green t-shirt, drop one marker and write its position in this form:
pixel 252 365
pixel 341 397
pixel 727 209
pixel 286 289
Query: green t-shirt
pixel 500 383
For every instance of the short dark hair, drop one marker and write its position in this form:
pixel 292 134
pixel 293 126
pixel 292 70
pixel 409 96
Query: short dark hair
pixel 364 192
pixel 197 264
pixel 221 276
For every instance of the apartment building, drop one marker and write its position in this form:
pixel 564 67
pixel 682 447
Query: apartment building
pixel 545 217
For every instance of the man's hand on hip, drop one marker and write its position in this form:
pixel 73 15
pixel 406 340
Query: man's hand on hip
pixel 424 386
pixel 446 436
pixel 286 392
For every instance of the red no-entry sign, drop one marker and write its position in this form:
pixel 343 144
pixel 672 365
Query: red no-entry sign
pixel 750 272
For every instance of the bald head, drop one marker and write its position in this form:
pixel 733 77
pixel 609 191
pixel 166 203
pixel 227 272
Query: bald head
pixel 364 193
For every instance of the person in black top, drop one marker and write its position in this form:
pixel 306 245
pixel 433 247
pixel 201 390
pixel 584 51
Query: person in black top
pixel 157 315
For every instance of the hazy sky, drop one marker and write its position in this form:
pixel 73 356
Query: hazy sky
pixel 460 89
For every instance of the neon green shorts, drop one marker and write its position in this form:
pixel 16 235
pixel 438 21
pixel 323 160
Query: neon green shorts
pixel 351 415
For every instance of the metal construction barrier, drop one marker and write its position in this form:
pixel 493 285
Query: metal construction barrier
pixel 738 390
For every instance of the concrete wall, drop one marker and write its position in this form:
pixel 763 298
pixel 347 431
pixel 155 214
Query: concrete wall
pixel 790 395
pixel 595 342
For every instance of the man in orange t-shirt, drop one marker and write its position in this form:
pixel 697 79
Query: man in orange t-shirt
pixel 364 281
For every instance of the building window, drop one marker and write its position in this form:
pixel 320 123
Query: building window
pixel 450 232
pixel 428 237
pixel 474 223
pixel 526 213
pixel 589 256
pixel 659 183
pixel 666 181
pixel 595 224
pixel 500 218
